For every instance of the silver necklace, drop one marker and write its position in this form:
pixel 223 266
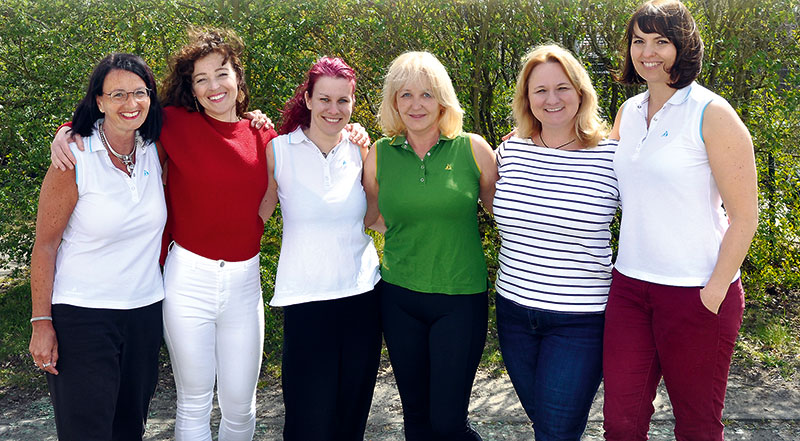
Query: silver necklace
pixel 128 159
pixel 559 147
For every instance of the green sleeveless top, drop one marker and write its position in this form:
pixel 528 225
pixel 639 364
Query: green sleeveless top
pixel 430 208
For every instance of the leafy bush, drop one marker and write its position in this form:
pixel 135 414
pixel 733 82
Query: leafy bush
pixel 752 59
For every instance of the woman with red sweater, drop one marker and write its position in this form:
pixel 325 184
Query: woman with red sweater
pixel 213 310
pixel 216 161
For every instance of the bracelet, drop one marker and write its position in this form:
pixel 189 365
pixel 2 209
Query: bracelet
pixel 44 317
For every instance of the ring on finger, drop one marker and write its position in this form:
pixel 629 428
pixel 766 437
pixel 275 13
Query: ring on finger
pixel 44 365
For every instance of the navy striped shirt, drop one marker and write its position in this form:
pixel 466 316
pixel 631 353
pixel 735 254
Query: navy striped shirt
pixel 553 209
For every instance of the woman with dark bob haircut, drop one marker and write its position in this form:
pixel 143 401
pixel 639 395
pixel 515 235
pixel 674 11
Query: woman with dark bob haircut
pixel 687 182
pixel 96 286
pixel 213 309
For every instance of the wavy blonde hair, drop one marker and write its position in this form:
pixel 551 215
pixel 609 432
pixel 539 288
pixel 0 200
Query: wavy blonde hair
pixel 589 127
pixel 411 67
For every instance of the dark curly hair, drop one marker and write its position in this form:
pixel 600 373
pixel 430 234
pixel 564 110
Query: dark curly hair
pixel 673 20
pixel 177 87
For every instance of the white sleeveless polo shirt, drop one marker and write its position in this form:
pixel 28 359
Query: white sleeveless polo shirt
pixel 325 253
pixel 108 257
pixel 672 215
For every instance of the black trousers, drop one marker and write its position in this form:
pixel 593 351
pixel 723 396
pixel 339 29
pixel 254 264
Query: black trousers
pixel 435 343
pixel 108 370
pixel 331 352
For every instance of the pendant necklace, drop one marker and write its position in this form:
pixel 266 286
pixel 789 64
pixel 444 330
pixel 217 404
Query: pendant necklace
pixel 127 160
pixel 559 147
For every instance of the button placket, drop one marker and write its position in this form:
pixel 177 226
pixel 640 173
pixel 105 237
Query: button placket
pixel 423 168
pixel 133 187
pixel 327 181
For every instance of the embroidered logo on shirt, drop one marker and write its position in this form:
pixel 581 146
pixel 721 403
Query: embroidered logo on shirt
pixel 665 134
pixel 448 167
pixel 146 173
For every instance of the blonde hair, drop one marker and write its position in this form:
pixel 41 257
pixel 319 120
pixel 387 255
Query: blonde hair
pixel 419 66
pixel 589 127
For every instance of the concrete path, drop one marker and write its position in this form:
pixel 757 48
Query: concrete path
pixel 762 409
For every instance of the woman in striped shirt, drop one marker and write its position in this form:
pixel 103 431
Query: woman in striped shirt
pixel 555 200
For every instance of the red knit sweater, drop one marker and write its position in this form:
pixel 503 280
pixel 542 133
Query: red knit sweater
pixel 216 179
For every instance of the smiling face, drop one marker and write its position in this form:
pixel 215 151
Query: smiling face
pixel 418 108
pixel 127 116
pixel 331 105
pixel 652 55
pixel 553 99
pixel 215 86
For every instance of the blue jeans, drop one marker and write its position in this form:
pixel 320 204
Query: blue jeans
pixel 555 362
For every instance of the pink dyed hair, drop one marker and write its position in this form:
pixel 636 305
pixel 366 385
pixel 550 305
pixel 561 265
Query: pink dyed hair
pixel 295 113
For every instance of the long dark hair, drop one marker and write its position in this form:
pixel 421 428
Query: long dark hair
pixel 295 113
pixel 87 112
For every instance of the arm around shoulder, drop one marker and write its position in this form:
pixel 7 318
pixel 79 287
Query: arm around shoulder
pixel 60 154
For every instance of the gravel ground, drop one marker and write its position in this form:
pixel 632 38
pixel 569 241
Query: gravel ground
pixel 758 408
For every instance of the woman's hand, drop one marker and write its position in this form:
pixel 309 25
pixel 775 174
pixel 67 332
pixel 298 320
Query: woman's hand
pixel 508 135
pixel 712 298
pixel 56 203
pixel 358 134
pixel 60 154
pixel 44 346
pixel 259 120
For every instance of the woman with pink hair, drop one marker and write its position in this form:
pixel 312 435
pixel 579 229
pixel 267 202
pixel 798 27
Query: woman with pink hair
pixel 328 265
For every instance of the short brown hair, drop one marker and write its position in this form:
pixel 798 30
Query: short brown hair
pixel 177 88
pixel 589 127
pixel 673 20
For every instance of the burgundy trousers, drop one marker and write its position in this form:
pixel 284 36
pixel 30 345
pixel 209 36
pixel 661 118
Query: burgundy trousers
pixel 654 330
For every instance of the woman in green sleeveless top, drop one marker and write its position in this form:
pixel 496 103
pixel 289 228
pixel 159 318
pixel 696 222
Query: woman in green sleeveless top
pixel 423 181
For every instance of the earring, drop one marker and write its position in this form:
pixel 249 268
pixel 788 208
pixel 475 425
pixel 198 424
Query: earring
pixel 196 104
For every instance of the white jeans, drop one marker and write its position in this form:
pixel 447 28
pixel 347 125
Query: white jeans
pixel 214 329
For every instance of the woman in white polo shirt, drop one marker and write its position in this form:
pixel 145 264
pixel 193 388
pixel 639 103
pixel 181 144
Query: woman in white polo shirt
pixel 95 282
pixel 676 301
pixel 328 266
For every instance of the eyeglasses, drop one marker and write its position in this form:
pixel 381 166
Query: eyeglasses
pixel 120 96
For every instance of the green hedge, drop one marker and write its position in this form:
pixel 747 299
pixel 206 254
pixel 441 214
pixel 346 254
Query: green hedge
pixel 47 49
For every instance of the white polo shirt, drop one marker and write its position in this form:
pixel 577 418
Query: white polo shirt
pixel 108 257
pixel 672 215
pixel 325 253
